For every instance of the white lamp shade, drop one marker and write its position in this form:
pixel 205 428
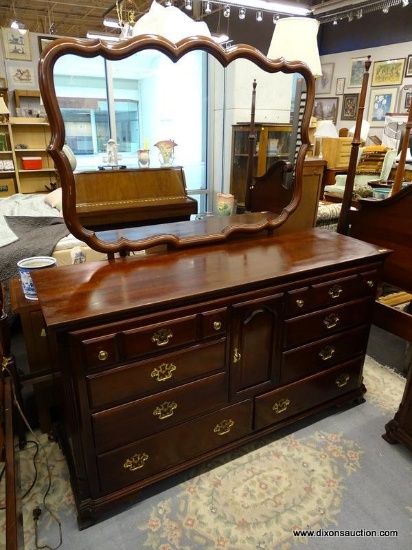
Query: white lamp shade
pixel 295 39
pixel 364 130
pixel 3 107
pixel 326 128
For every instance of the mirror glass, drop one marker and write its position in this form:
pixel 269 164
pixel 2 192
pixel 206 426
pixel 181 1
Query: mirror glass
pixel 163 128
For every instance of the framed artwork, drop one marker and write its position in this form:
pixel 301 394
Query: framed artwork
pixel 349 106
pixel 326 108
pixel 381 101
pixel 408 67
pixel 16 45
pixel 22 75
pixel 340 85
pixel 44 41
pixel 388 73
pixel 324 82
pixel 3 82
pixel 356 71
pixel 404 100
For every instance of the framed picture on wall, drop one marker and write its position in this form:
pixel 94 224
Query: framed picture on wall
pixel 382 101
pixel 324 82
pixel 356 71
pixel 388 73
pixel 326 108
pixel 3 82
pixel 16 45
pixel 44 41
pixel 22 75
pixel 349 106
pixel 340 85
pixel 408 66
pixel 404 100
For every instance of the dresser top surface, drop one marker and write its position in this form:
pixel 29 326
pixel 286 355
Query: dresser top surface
pixel 103 290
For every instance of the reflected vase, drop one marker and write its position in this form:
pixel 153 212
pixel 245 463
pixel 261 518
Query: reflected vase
pixel 143 157
pixel 225 204
pixel 166 151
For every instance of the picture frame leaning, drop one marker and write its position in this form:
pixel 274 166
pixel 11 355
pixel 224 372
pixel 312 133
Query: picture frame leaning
pixel 16 45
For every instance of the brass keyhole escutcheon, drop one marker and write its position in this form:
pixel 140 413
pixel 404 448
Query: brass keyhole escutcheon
pixel 102 355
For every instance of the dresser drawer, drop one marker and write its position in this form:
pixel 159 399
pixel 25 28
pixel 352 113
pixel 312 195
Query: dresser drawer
pixel 301 396
pixel 121 425
pixel 155 375
pixel 327 321
pixel 330 292
pixel 322 354
pixel 157 453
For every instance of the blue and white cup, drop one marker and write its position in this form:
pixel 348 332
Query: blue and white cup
pixel 26 266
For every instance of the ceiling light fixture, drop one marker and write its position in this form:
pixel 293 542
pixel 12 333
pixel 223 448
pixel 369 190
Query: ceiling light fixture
pixel 259 16
pixel 18 26
pixel 405 3
pixel 350 17
pixel 385 9
pixel 226 11
pixel 242 13
pixel 168 3
pixel 275 18
pixel 208 7
pixel 111 23
pixel 359 14
pixel 267 6
pixel 188 5
pixel 335 21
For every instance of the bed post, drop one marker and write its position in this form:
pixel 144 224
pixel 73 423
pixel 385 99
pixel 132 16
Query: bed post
pixel 397 184
pixel 251 151
pixel 343 222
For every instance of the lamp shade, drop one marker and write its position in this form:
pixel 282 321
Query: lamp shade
pixel 364 130
pixel 326 128
pixel 295 39
pixel 3 107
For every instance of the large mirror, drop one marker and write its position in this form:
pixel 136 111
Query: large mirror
pixel 158 129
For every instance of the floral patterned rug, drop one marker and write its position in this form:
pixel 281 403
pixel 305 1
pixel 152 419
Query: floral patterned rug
pixel 252 498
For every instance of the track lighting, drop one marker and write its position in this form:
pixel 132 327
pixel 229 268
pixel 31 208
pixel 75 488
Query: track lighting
pixel 208 7
pixel 242 13
pixel 259 16
pixel 168 3
pixel 405 3
pixel 385 9
pixel 359 14
pixel 335 21
pixel 226 11
pixel 350 17
pixel 18 26
pixel 188 5
pixel 275 18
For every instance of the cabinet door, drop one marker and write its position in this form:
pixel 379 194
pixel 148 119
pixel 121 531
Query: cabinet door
pixel 255 355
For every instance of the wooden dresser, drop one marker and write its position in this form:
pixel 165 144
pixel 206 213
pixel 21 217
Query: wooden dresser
pixel 171 359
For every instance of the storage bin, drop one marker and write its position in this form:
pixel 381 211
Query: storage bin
pixel 32 163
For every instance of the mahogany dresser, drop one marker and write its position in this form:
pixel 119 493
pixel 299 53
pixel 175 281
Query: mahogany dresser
pixel 170 359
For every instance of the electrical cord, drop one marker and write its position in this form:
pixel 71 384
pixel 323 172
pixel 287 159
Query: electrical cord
pixel 37 512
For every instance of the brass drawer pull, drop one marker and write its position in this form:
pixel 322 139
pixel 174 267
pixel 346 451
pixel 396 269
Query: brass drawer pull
pixel 163 372
pixel 162 337
pixel 102 355
pixel 300 303
pixel 335 291
pixel 342 380
pixel 223 427
pixel 281 406
pixel 165 410
pixel 327 353
pixel 236 355
pixel 136 462
pixel 217 325
pixel 331 321
pixel 43 332
pixel 370 283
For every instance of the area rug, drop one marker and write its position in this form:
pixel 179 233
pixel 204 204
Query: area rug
pixel 331 482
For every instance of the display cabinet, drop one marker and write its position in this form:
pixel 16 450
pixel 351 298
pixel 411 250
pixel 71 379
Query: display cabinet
pixel 273 142
pixel 25 165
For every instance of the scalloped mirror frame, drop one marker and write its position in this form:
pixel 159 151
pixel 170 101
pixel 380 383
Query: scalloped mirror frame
pixel 128 240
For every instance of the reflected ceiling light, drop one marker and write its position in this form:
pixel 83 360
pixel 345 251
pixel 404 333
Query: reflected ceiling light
pixel 359 14
pixel 102 36
pixel 335 21
pixel 405 3
pixel 259 16
pixel 208 7
pixel 111 23
pixel 266 5
pixel 168 3
pixel 275 18
pixel 385 9
pixel 226 11
pixel 242 13
pixel 350 17
pixel 220 38
pixel 188 5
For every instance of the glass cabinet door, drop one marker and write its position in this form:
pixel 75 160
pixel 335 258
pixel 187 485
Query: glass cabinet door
pixel 272 143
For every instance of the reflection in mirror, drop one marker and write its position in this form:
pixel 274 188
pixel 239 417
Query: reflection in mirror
pixel 147 115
